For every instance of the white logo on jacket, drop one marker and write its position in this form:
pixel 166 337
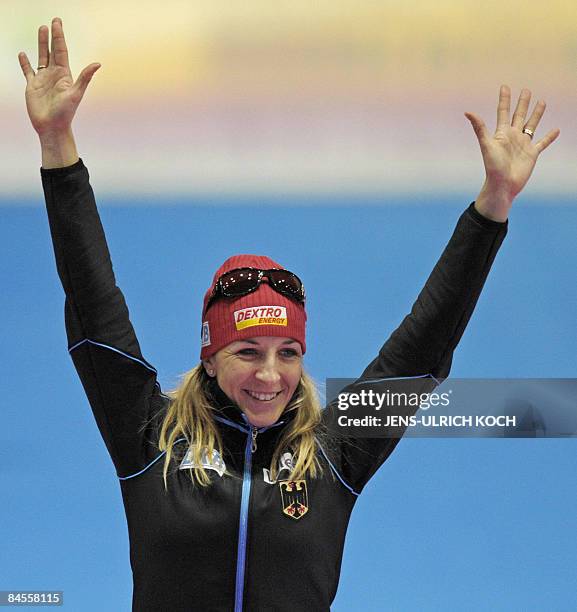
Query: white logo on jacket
pixel 217 463
pixel 285 463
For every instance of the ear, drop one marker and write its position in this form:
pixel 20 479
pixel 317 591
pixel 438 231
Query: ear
pixel 209 366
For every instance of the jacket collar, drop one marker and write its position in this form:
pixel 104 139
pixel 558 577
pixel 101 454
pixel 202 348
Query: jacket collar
pixel 225 408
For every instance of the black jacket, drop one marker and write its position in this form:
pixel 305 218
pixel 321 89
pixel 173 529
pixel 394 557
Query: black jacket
pixel 243 543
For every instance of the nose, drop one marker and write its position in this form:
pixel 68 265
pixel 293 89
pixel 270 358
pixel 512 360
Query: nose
pixel 268 371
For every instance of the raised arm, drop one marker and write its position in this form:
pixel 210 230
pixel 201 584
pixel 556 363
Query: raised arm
pixel 121 386
pixel 423 345
pixel 425 340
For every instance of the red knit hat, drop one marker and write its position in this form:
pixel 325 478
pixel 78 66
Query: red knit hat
pixel 264 312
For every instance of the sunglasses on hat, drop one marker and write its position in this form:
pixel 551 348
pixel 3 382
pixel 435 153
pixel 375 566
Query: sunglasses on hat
pixel 242 281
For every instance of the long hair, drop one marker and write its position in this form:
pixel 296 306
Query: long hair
pixel 190 414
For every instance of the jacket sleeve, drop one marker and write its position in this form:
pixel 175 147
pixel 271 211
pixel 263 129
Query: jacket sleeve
pixel 423 344
pixel 120 384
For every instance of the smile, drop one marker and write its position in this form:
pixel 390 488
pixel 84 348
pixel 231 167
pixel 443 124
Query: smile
pixel 263 397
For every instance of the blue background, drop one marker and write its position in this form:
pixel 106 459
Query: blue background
pixel 445 524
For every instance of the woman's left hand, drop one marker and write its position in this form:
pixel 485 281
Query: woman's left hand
pixel 510 154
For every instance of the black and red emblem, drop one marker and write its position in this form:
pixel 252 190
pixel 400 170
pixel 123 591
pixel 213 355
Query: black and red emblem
pixel 295 502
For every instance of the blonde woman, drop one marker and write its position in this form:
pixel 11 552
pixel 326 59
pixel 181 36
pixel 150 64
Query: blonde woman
pixel 235 496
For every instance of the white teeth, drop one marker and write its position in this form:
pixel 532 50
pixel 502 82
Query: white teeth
pixel 264 397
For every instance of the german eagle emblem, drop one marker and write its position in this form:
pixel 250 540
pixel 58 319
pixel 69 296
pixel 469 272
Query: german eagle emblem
pixel 294 496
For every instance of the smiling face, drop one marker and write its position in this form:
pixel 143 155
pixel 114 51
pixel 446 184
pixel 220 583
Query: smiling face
pixel 259 374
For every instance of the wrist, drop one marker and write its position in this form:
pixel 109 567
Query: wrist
pixel 58 149
pixel 494 203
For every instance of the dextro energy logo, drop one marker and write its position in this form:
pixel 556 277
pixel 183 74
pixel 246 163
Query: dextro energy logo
pixel 261 315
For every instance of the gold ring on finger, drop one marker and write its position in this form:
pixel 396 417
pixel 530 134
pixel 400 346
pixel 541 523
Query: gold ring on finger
pixel 529 132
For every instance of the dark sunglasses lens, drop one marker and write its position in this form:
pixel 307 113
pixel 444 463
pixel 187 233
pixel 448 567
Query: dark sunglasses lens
pixel 239 282
pixel 282 280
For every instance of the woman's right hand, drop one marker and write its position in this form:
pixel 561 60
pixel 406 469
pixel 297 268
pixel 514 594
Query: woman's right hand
pixel 52 95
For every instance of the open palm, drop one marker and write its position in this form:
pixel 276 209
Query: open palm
pixel 52 95
pixel 510 154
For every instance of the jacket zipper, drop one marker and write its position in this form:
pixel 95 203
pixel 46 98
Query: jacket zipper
pixel 249 449
pixel 242 532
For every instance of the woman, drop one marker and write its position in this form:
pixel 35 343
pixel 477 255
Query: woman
pixel 235 495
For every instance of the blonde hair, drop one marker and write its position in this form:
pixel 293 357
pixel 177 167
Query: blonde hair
pixel 190 414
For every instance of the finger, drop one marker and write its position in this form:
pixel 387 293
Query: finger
pixel 521 109
pixel 43 54
pixel 547 139
pixel 84 78
pixel 25 65
pixel 59 49
pixel 504 106
pixel 479 127
pixel 535 117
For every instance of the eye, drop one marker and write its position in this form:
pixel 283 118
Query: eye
pixel 247 352
pixel 290 353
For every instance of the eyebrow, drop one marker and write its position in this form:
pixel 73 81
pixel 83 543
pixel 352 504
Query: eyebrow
pixel 256 342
